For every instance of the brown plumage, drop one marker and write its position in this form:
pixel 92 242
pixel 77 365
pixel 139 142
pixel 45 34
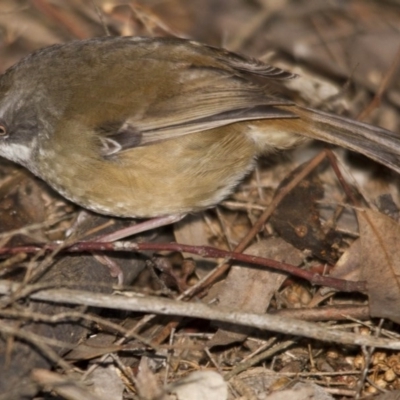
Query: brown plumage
pixel 140 127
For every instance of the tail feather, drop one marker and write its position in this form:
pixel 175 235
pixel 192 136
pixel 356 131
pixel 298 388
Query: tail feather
pixel 377 143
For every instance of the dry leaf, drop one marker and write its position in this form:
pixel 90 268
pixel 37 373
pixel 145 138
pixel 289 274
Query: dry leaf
pixel 147 383
pixel 301 391
pixel 106 383
pixel 251 289
pixel 297 218
pixel 347 267
pixel 200 385
pixel 380 263
pixel 262 383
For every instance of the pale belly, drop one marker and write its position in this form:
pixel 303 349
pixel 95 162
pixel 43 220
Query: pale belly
pixel 182 175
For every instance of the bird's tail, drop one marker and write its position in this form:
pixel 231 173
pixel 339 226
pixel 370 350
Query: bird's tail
pixel 377 143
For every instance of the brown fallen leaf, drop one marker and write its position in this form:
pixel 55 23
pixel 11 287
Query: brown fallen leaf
pixel 297 219
pixel 347 267
pixel 251 289
pixel 380 263
pixel 199 385
pixel 147 383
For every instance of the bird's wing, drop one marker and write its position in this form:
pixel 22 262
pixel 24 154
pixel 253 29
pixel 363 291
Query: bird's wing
pixel 202 104
pixel 209 88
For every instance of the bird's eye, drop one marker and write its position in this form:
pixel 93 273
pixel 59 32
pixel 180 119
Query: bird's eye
pixel 3 128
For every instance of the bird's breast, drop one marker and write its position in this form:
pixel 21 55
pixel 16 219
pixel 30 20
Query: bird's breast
pixel 180 175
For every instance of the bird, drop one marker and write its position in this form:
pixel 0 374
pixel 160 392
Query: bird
pixel 143 127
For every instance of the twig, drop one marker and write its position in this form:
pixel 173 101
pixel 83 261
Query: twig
pixel 204 251
pixel 197 310
pixel 244 366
